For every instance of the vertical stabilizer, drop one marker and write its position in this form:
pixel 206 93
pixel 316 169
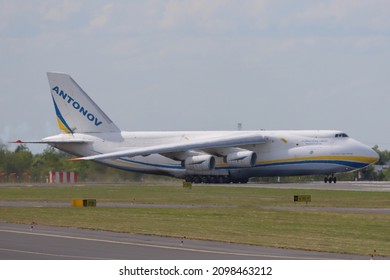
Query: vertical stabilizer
pixel 76 111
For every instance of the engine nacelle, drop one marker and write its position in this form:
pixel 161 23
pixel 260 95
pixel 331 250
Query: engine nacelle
pixel 200 163
pixel 241 159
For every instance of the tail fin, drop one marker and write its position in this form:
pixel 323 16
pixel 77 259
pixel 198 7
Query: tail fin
pixel 76 111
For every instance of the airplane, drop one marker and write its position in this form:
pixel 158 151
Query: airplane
pixel 197 156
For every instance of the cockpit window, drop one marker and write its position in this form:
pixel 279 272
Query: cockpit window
pixel 341 135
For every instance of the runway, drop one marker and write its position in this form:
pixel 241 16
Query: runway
pixel 339 186
pixel 21 242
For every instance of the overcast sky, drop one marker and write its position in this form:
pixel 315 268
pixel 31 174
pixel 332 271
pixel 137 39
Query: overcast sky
pixel 201 65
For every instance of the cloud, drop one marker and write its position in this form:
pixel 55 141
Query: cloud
pixel 63 11
pixel 259 54
pixel 8 9
pixel 344 14
pixel 101 19
pixel 212 16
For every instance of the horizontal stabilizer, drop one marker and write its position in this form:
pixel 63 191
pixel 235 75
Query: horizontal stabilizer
pixel 72 141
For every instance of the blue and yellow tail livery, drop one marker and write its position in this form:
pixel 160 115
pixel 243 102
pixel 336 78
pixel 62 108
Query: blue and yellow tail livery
pixel 76 112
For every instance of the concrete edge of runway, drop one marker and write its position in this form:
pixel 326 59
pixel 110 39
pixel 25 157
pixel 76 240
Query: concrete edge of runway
pixel 19 241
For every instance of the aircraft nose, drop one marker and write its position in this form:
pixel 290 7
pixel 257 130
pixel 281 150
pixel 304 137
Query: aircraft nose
pixel 373 155
pixel 370 155
pixel 367 154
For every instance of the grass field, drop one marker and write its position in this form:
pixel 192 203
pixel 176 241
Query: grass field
pixel 229 214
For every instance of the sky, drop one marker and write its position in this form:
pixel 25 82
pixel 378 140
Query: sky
pixel 201 64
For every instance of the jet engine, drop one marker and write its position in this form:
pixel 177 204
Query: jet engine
pixel 200 162
pixel 242 159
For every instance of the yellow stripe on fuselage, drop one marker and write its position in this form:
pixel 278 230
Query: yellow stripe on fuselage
pixel 360 159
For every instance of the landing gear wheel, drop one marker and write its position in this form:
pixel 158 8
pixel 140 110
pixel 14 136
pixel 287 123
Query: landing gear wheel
pixel 196 180
pixel 189 179
pixel 221 180
pixel 213 179
pixel 330 179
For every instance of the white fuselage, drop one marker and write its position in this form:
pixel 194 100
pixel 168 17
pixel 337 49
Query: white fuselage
pixel 284 153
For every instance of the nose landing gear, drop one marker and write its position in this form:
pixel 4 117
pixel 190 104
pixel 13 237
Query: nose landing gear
pixel 330 179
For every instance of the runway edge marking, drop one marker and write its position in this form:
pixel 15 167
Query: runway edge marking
pixel 151 245
pixel 52 255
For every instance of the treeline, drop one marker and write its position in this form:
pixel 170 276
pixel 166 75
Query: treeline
pixel 22 165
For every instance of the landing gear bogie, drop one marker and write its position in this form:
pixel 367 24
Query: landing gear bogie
pixel 197 179
pixel 330 179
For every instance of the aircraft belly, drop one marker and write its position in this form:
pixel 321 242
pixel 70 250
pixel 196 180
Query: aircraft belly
pixel 271 162
pixel 299 169
pixel 156 164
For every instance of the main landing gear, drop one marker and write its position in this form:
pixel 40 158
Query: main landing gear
pixel 330 179
pixel 197 179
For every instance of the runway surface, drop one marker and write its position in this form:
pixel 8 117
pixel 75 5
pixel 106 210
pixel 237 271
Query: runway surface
pixel 21 242
pixel 340 186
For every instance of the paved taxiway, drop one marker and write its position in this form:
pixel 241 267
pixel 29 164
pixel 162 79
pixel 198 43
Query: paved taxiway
pixel 21 242
pixel 339 186
pixel 44 243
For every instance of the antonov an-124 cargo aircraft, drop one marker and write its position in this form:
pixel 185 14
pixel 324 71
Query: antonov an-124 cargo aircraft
pixel 198 156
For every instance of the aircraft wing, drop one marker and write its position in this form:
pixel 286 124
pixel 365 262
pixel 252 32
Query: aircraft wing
pixel 241 139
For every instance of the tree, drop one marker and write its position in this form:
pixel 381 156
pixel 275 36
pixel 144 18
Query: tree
pixel 384 156
pixel 17 162
pixel 3 155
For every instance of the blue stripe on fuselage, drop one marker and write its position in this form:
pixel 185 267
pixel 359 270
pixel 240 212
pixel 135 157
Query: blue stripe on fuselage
pixel 351 164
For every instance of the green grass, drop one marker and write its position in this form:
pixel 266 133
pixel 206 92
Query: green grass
pixel 244 222
pixel 198 195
